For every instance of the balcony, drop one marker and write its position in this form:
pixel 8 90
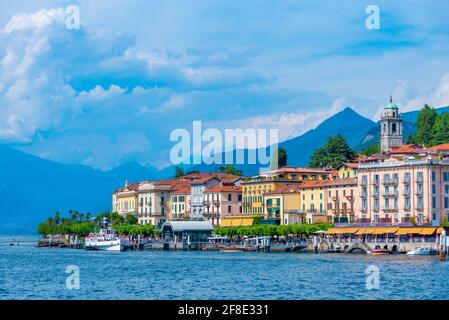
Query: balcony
pixel 390 195
pixel 390 209
pixel 391 182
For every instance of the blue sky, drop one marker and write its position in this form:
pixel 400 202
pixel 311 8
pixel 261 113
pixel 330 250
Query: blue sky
pixel 112 92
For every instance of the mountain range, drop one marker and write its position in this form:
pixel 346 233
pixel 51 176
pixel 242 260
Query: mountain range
pixel 32 188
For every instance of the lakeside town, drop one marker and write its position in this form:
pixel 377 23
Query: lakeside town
pixel 393 199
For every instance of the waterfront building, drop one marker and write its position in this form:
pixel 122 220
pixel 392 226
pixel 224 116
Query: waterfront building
pixel 284 204
pixel 154 201
pixel 187 234
pixel 341 196
pixel 391 127
pixel 125 199
pixel 197 201
pixel 314 195
pixel 404 189
pixel 198 205
pixel 180 203
pixel 221 201
pixel 254 188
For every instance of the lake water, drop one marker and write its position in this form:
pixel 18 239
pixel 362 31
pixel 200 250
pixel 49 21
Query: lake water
pixel 27 272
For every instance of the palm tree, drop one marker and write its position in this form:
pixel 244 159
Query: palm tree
pixel 88 216
pixel 81 217
pixel 57 217
pixel 71 214
pixel 50 220
pixel 74 216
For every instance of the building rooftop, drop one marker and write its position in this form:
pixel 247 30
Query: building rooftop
pixel 224 189
pixel 177 226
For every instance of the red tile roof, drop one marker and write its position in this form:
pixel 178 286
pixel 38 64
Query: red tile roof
pixel 284 190
pixel 129 187
pixel 353 165
pixel 224 189
pixel 314 184
pixel 182 189
pixel 295 170
pixel 440 147
pixel 406 149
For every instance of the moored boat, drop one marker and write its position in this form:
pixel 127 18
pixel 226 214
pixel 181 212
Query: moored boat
pixel 230 249
pixel 105 240
pixel 379 252
pixel 422 251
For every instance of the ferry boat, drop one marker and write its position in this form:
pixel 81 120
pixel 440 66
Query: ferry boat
pixel 105 240
pixel 422 251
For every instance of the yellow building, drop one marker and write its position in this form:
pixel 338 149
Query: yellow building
pixel 124 200
pixel 270 181
pixel 253 191
pixel 348 170
pixel 314 195
pixel 285 204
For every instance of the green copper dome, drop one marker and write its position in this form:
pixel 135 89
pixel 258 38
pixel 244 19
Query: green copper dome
pixel 391 105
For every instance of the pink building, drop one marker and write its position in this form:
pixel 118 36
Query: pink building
pixel 404 187
pixel 220 201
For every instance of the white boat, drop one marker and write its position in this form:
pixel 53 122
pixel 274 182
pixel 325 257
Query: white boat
pixel 105 240
pixel 422 251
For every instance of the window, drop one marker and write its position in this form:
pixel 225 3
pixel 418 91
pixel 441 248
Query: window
pixel 387 204
pixel 434 202
pixel 434 176
pixel 446 176
pixel 407 203
pixel 229 197
pixel 446 203
pixel 229 209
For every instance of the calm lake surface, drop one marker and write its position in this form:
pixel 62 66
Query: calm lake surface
pixel 27 272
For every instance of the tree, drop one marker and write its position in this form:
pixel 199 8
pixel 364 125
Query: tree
pixel 179 172
pixel 332 154
pixel 424 124
pixel 131 219
pixel 192 172
pixel 372 149
pixel 229 169
pixel 279 158
pixel 440 129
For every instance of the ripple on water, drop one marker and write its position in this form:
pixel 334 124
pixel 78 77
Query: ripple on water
pixel 27 272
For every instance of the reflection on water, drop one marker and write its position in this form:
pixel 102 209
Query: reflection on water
pixel 27 272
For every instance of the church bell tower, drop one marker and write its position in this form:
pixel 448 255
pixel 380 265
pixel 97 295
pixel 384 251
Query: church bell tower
pixel 391 127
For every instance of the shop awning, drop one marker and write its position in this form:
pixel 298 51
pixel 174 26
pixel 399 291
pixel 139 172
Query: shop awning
pixel 225 222
pixel 237 221
pixel 409 231
pixel 384 230
pixel 365 231
pixel 247 221
pixel 440 230
pixel 341 230
pixel 428 231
